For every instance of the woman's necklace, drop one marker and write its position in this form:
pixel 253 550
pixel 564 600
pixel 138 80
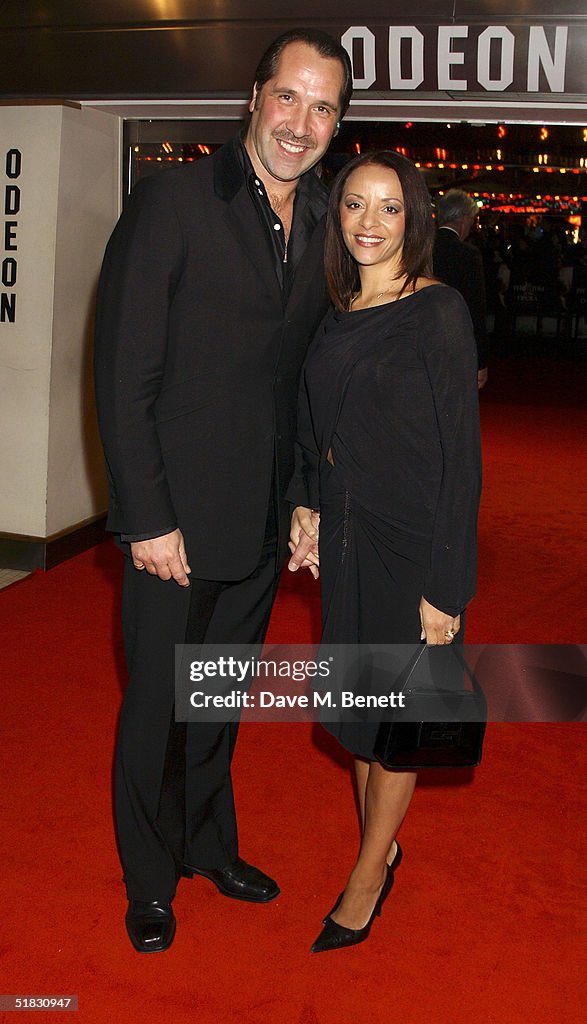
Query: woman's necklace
pixel 387 291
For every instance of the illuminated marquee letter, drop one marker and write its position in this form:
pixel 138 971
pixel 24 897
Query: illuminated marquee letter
pixel 506 63
pixel 396 79
pixel 447 57
pixel 365 36
pixel 539 54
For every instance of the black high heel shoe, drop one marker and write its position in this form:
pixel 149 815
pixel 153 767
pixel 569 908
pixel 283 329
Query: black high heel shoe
pixel 336 936
pixel 390 873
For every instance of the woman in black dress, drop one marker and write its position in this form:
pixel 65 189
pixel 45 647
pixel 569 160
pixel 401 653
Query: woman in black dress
pixel 389 434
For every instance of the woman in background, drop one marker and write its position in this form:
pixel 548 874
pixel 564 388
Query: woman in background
pixel 389 434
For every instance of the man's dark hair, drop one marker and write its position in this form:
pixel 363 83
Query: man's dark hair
pixel 342 273
pixel 320 41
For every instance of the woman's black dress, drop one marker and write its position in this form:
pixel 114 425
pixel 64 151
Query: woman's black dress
pixel 392 392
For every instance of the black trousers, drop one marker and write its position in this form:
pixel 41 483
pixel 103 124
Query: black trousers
pixel 173 792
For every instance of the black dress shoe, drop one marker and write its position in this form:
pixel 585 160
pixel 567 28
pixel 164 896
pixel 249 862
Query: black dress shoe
pixel 150 926
pixel 336 936
pixel 239 880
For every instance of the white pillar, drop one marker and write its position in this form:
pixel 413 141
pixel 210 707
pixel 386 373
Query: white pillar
pixel 60 172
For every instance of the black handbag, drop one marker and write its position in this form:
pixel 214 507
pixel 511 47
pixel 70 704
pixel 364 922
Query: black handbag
pixel 455 740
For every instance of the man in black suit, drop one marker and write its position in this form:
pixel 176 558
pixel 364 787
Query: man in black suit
pixel 459 264
pixel 211 289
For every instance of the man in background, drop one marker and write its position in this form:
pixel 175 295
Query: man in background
pixel 459 264
pixel 211 289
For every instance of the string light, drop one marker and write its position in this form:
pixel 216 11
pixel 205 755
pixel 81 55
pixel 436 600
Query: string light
pixel 519 161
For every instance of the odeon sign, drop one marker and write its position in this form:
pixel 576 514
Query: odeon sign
pixel 534 57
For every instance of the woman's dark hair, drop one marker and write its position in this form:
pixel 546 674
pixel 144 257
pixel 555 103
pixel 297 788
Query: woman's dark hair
pixel 320 41
pixel 342 274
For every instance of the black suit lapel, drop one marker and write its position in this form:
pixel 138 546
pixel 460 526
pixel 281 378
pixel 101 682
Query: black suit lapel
pixel 311 206
pixel 241 217
pixel 244 223
pixel 305 221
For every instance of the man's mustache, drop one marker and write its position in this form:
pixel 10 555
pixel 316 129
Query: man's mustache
pixel 296 140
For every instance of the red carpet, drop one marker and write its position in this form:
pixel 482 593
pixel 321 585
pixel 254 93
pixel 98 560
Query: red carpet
pixel 487 920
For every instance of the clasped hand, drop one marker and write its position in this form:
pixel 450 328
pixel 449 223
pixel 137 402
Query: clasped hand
pixel 303 540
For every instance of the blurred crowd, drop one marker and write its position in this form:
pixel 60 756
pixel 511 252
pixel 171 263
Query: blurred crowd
pixel 533 267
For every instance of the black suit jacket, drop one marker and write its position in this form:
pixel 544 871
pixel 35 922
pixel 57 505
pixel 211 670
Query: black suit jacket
pixel 198 358
pixel 460 265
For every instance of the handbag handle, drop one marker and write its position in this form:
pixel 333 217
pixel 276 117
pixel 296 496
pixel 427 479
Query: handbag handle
pixel 455 648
